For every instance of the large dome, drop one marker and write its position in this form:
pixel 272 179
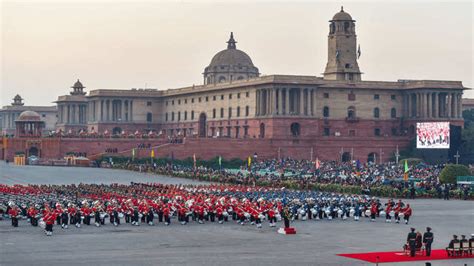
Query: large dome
pixel 230 64
pixel 231 57
pixel 341 15
pixel 29 116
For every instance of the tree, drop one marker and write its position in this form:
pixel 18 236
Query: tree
pixel 451 171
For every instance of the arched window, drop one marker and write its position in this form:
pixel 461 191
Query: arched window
pixel 172 116
pixel 332 28
pixel 247 110
pixel 295 129
pixel 179 116
pixel 221 79
pixel 393 113
pixel 238 111
pixel 346 26
pixel 185 116
pixel 326 111
pixel 230 112
pixel 222 112
pixel 214 113
pixel 149 117
pixel 376 112
pixel 351 112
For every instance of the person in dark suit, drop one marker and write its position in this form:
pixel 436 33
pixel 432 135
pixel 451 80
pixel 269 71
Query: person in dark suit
pixel 451 245
pixel 411 240
pixel 428 238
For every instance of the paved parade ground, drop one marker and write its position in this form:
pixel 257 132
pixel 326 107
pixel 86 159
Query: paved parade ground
pixel 316 242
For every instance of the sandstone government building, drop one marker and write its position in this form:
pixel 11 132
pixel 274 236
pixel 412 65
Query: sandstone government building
pixel 237 113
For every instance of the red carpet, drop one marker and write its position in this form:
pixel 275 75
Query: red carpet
pixel 399 256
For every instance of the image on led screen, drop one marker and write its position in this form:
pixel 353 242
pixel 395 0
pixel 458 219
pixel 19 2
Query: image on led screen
pixel 432 135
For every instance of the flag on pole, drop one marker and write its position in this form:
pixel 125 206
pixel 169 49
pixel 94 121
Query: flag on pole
pixel 317 163
pixel 152 154
pixel 249 161
pixel 405 175
pixel 194 160
pixel 133 154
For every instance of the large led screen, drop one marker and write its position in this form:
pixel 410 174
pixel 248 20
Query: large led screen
pixel 432 135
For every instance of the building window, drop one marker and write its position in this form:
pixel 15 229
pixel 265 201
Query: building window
pixel 222 97
pixel 192 100
pixel 179 116
pixel 247 94
pixel 326 95
pixel 352 133
pixel 214 113
pixel 149 117
pixel 295 129
pixel 230 95
pixel 393 113
pixel 351 112
pixel 376 96
pixel 185 115
pixel 238 95
pixel 222 112
pixel 377 132
pixel 207 98
pixel 166 117
pixel 166 103
pixel 351 96
pixel 230 112
pixel 185 101
pixel 199 99
pixel 238 111
pixel 192 115
pixel 179 101
pixel 393 97
pixel 172 102
pixel 43 115
pixel 247 110
pixel 148 103
pixel 326 132
pixel 376 112
pixel 214 97
pixel 326 111
pixel 172 116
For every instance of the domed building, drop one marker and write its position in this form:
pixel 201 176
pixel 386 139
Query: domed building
pixel 230 64
pixel 29 124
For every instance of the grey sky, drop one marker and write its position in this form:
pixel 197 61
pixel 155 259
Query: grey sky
pixel 46 46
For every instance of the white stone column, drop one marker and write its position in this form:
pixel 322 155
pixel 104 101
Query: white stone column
pixel 257 103
pixel 301 102
pixel 428 105
pixel 436 105
pixel 287 101
pixel 280 101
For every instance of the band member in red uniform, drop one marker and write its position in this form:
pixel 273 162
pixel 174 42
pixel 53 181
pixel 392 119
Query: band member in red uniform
pixel 86 212
pixel 14 212
pixel 397 210
pixel 407 213
pixel 388 209
pixel 271 217
pixel 33 213
pixel 373 211
pixel 49 218
pixel 166 214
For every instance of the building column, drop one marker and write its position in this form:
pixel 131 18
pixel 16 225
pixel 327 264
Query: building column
pixel 122 110
pixel 108 104
pixel 269 102
pixel 131 111
pixel 428 105
pixel 287 101
pixel 301 102
pixel 280 101
pixel 257 102
pixel 418 105
pixel 436 105
pixel 459 105
pixel 449 105
pixel 423 104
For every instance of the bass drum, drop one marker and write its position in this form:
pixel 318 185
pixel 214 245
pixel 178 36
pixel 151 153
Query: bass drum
pixel 120 215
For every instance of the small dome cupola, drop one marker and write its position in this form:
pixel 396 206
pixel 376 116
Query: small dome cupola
pixel 78 88
pixel 17 100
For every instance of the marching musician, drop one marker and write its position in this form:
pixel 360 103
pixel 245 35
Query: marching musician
pixel 388 210
pixel 32 213
pixel 14 212
pixel 407 213
pixel 166 214
pixel 49 218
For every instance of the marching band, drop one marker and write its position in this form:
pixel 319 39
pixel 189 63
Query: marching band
pixel 138 204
